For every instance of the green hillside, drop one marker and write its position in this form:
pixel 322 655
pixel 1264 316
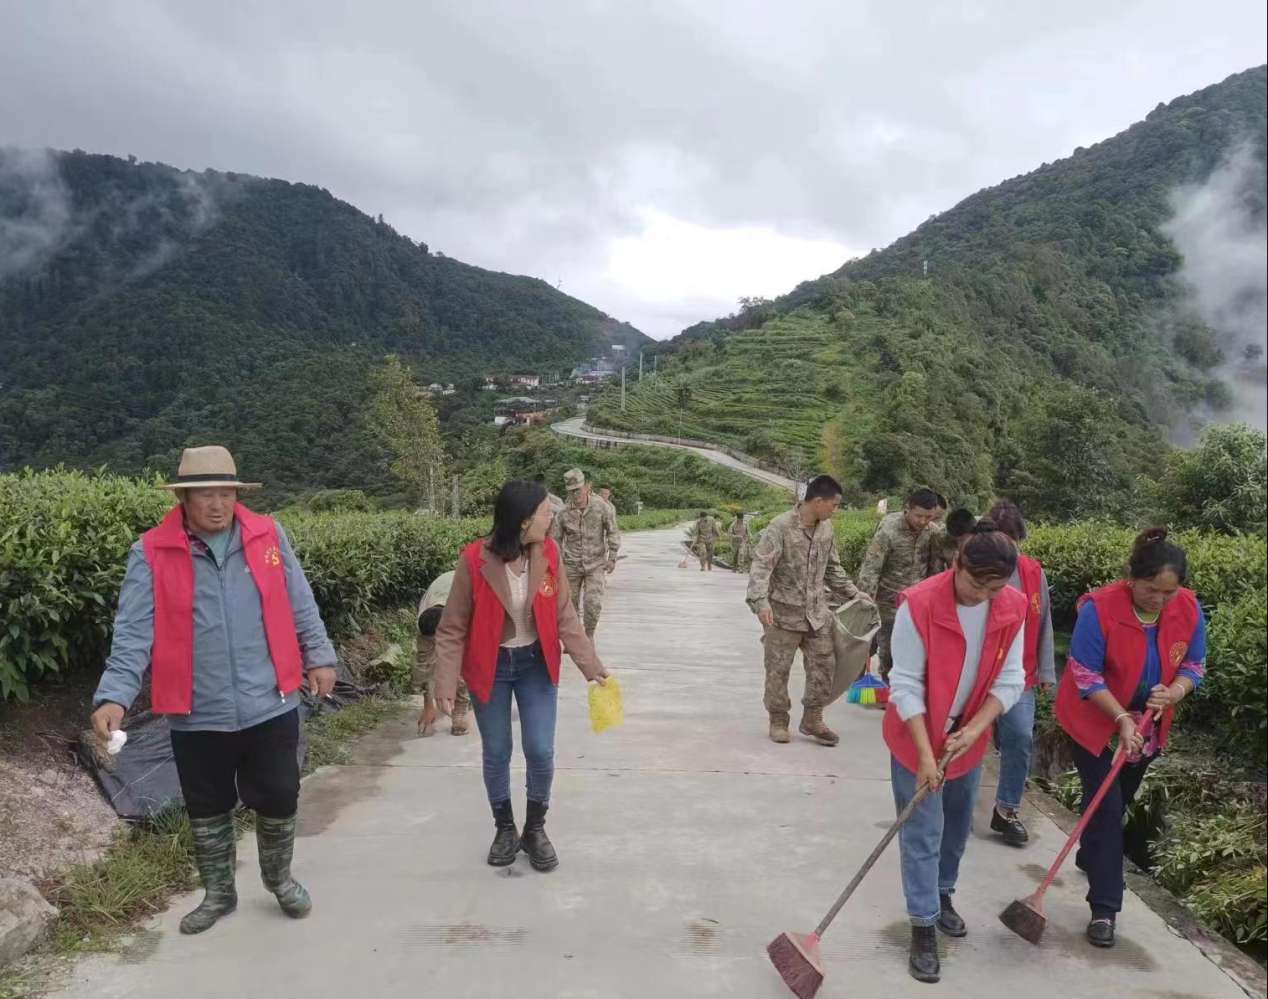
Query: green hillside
pixel 144 308
pixel 1044 354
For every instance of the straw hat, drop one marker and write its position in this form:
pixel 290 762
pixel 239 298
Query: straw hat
pixel 207 468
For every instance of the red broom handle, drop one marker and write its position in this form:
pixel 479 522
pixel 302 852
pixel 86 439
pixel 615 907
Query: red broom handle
pixel 1120 757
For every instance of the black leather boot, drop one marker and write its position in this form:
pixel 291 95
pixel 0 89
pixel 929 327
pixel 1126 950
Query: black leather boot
pixel 506 841
pixel 949 921
pixel 541 854
pixel 923 962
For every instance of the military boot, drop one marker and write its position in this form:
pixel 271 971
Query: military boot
pixel 779 728
pixel 923 962
pixel 276 840
pixel 506 841
pixel 460 721
pixel 215 856
pixel 812 724
pixel 541 853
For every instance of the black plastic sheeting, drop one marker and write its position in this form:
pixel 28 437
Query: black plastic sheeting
pixel 141 780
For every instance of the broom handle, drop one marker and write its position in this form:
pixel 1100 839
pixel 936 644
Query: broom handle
pixel 890 833
pixel 1120 757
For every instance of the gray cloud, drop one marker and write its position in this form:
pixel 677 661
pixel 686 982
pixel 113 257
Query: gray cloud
pixel 529 137
pixel 1225 273
pixel 39 217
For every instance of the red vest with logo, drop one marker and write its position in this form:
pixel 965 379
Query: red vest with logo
pixel 1125 654
pixel 488 618
pixel 933 611
pixel 1031 575
pixel 171 565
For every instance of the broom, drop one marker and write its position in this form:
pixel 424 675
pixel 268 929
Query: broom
pixel 796 955
pixel 1025 916
pixel 868 689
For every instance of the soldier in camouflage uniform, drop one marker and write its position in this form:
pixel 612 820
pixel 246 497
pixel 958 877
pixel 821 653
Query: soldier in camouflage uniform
pixel 742 556
pixel 945 538
pixel 898 557
pixel 588 540
pixel 708 531
pixel 796 560
pixel 429 610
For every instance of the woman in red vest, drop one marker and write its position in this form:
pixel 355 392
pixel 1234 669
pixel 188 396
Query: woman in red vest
pixel 506 619
pixel 1015 730
pixel 957 648
pixel 1138 643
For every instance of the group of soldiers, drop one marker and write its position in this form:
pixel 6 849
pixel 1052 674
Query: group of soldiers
pixel 706 532
pixel 589 540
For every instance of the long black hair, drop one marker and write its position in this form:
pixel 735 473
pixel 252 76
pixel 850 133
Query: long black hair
pixel 517 501
pixel 987 552
pixel 1152 554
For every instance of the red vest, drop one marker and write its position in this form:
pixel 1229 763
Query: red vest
pixel 1125 654
pixel 172 568
pixel 1031 574
pixel 488 618
pixel 932 604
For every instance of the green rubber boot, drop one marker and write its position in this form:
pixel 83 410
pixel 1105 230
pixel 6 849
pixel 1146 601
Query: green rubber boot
pixel 215 855
pixel 276 839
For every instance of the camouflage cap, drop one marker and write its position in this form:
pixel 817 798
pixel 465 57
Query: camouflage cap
pixel 574 479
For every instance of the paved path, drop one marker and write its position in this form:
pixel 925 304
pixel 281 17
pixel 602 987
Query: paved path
pixel 576 428
pixel 687 842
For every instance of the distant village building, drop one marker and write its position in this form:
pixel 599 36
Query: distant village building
pixel 435 389
pixel 523 411
pixel 526 381
pixel 594 371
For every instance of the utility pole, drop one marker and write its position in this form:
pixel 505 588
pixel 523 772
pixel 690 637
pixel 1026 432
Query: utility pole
pixel 640 367
pixel 457 499
pixel 655 364
pixel 622 388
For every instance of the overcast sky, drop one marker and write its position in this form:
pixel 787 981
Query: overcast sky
pixel 656 159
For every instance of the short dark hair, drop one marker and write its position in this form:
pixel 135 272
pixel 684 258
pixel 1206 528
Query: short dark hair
pixel 704 513
pixel 959 522
pixel 429 620
pixel 1152 554
pixel 516 502
pixel 1007 516
pixel 823 487
pixel 987 552
pixel 923 497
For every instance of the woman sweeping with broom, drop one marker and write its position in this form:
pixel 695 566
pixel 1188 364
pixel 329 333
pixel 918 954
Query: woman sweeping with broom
pixel 958 665
pixel 1138 644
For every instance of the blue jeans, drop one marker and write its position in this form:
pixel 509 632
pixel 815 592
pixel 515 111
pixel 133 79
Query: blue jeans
pixel 521 672
pixel 1014 735
pixel 932 841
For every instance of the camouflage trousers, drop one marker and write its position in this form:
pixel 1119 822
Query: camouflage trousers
pixel 587 594
pixel 742 557
pixel 704 551
pixel 424 675
pixel 883 638
pixel 818 657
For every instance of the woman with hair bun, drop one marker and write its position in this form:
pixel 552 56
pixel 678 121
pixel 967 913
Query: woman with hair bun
pixel 1138 643
pixel 957 648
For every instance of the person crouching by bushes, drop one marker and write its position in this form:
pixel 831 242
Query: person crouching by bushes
pixel 430 609
pixel 216 606
pixel 957 651
pixel 1015 730
pixel 1138 643
pixel 503 625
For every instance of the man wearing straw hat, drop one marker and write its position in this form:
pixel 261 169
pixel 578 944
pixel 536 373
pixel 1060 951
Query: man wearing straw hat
pixel 216 606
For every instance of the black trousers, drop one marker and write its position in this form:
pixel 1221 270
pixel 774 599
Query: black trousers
pixel 1101 847
pixel 257 764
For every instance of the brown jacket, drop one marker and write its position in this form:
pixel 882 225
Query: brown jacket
pixel 451 634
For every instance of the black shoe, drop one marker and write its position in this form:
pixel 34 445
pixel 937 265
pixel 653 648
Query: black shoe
pixel 949 921
pixel 541 854
pixel 923 962
pixel 1100 931
pixel 506 841
pixel 1010 826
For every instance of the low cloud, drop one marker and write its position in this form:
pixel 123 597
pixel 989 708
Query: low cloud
pixel 1219 229
pixel 35 210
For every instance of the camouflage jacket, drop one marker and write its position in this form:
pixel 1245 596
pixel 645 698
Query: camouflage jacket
pixel 942 548
pixel 588 537
pixel 896 559
pixel 793 571
pixel 707 531
pixel 739 531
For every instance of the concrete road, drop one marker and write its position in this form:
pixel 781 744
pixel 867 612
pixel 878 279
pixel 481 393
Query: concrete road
pixel 576 428
pixel 687 842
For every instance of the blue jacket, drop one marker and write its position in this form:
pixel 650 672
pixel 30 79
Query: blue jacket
pixel 235 685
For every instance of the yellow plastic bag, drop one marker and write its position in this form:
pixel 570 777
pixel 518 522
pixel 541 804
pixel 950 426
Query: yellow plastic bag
pixel 606 709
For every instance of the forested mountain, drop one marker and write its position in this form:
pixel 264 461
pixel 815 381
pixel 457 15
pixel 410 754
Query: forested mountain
pixel 1039 339
pixel 144 308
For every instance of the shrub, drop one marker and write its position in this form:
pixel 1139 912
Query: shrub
pixel 64 537
pixel 1234 698
pixel 1217 486
pixel 326 500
